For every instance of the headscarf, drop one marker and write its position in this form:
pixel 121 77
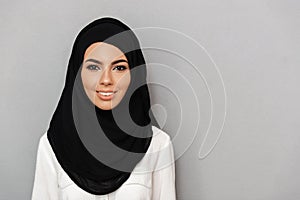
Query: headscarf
pixel 99 149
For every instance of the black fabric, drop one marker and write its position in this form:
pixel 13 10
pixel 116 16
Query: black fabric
pixel 98 148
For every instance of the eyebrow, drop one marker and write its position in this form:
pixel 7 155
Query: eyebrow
pixel 99 62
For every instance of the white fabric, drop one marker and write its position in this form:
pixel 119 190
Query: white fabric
pixel 152 179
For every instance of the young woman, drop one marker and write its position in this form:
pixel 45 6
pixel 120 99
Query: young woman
pixel 103 141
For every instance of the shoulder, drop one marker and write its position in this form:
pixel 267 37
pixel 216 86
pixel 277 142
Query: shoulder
pixel 44 144
pixel 160 139
pixel 46 153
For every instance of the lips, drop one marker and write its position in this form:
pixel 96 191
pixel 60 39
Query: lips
pixel 106 94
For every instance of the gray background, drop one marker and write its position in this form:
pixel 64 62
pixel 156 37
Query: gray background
pixel 255 44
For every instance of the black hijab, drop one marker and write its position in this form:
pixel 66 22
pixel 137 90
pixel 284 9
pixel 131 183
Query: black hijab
pixel 98 148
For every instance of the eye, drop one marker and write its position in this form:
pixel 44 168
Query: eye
pixel 92 67
pixel 120 68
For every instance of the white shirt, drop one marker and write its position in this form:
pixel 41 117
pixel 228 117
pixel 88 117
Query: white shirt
pixel 152 179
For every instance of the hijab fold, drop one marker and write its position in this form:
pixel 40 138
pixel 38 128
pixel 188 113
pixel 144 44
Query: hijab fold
pixel 99 149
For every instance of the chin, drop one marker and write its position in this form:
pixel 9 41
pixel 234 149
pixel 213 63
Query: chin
pixel 106 106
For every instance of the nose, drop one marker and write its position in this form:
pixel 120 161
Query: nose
pixel 106 77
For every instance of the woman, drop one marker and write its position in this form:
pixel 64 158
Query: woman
pixel 103 141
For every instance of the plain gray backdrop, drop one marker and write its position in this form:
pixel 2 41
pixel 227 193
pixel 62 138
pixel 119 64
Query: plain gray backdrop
pixel 255 46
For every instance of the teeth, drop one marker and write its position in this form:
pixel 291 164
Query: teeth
pixel 106 93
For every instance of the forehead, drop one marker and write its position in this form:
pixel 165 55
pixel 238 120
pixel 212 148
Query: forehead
pixel 104 51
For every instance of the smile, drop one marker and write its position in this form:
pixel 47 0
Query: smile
pixel 106 93
pixel 106 96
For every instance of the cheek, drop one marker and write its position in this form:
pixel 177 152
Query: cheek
pixel 124 81
pixel 88 81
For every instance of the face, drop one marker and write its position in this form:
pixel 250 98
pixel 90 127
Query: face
pixel 105 75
